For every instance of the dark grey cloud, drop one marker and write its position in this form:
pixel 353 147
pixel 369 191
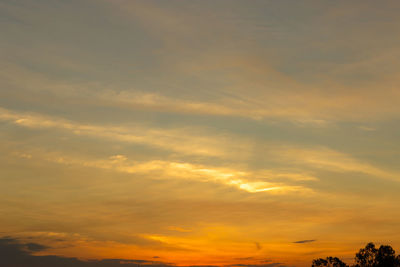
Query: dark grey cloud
pixel 15 253
pixel 35 247
pixel 18 254
pixel 304 241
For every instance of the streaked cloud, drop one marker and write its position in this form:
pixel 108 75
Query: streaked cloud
pixel 179 140
pixel 179 229
pixel 22 254
pixel 248 181
pixel 264 101
pixel 198 133
pixel 329 159
pixel 304 241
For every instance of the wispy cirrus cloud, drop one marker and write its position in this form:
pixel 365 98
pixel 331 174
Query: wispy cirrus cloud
pixel 181 140
pixel 313 107
pixel 178 229
pixel 329 159
pixel 246 180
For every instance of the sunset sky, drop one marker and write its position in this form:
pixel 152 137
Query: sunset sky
pixel 199 132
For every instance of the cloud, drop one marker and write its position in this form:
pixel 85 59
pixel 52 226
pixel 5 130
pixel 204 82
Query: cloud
pixel 266 99
pixel 254 85
pixel 247 94
pixel 181 140
pixel 15 253
pixel 238 106
pixel 179 229
pixel 13 244
pixel 367 129
pixel 304 241
pixel 246 180
pixel 332 160
pixel 35 247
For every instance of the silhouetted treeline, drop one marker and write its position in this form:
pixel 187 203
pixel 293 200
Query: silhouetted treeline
pixel 370 256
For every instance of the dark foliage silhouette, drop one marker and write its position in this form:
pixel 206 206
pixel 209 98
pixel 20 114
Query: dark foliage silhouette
pixel 370 256
pixel 328 262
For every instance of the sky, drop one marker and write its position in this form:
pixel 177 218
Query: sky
pixel 198 132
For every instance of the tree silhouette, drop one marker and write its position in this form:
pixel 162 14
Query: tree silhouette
pixel 387 257
pixel 369 256
pixel 366 257
pixel 328 262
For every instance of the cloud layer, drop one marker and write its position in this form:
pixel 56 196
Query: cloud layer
pixel 212 133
